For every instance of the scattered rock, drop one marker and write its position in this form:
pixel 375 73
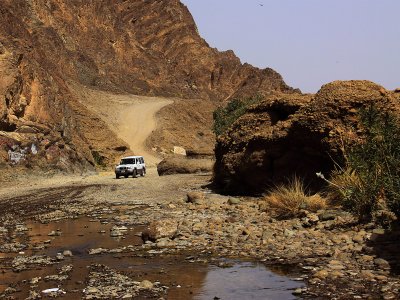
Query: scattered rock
pixel 358 239
pixel 97 251
pixel 195 197
pixel 322 274
pixel 165 228
pixel 21 228
pixel 12 247
pixel 381 263
pixel 67 253
pixel 21 263
pixel 179 151
pixel 326 216
pixel 105 283
pixel 54 233
pixel 233 201
pixel 145 284
pixel 117 231
pixel 289 233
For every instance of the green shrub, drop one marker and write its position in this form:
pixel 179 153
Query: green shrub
pixel 98 158
pixel 369 185
pixel 224 117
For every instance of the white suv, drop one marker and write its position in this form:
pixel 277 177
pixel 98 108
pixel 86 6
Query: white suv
pixel 131 165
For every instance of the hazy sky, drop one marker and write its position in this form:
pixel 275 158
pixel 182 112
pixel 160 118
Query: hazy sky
pixel 309 42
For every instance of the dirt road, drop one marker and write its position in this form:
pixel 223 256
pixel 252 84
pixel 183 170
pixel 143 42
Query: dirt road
pixel 131 117
pixel 137 121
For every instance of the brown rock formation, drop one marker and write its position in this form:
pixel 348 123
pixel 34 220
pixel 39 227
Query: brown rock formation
pixel 294 135
pixel 183 165
pixel 142 47
pixel 134 46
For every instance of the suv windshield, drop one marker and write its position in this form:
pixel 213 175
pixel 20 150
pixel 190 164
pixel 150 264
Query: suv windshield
pixel 127 161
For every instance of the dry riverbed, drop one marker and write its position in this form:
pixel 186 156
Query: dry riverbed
pixel 169 237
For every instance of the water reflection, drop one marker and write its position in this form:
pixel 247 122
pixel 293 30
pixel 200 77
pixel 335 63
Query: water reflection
pixel 245 280
pixel 187 278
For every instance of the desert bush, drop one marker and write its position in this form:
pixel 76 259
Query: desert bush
pixel 342 183
pixel 98 158
pixel 369 183
pixel 224 117
pixel 287 201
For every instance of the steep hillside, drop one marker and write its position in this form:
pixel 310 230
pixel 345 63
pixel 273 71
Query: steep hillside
pixel 142 47
pixel 129 46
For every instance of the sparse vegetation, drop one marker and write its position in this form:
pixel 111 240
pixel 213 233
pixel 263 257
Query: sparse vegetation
pixel 98 158
pixel 287 201
pixel 369 184
pixel 224 117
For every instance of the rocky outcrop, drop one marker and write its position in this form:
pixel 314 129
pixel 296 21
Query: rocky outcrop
pixel 42 124
pixel 294 135
pixel 182 165
pixel 140 47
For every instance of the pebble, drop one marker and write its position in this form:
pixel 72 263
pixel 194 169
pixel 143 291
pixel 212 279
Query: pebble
pixel 367 274
pixel 146 284
pixel 322 274
pixel 67 253
pixel 233 201
pixel 381 263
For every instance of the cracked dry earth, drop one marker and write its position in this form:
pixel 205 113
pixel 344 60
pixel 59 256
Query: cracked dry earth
pixel 171 237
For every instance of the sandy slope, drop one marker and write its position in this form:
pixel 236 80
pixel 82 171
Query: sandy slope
pixel 132 118
pixel 137 121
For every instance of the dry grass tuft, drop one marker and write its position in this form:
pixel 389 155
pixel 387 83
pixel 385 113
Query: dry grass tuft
pixel 341 182
pixel 286 201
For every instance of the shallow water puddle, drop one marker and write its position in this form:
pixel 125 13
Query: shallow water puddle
pixel 245 280
pixel 79 236
pixel 186 276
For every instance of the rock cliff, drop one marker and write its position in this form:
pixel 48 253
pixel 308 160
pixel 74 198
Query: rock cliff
pixel 123 46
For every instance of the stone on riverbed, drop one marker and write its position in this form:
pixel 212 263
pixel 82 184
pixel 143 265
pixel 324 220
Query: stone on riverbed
pixel 146 284
pixel 164 228
pixel 97 251
pixel 117 231
pixel 12 247
pixel 195 197
pixel 67 253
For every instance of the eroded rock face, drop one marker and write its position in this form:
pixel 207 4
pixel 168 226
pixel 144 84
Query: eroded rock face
pixel 134 46
pixel 182 165
pixel 294 135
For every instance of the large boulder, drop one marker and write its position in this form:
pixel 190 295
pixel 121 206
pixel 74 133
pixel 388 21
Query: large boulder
pixel 164 228
pixel 294 135
pixel 182 165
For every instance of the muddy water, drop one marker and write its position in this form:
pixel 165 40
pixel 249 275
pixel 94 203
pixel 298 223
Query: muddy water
pixel 191 276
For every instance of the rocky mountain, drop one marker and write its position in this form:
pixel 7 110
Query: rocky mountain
pixel 295 135
pixel 121 46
